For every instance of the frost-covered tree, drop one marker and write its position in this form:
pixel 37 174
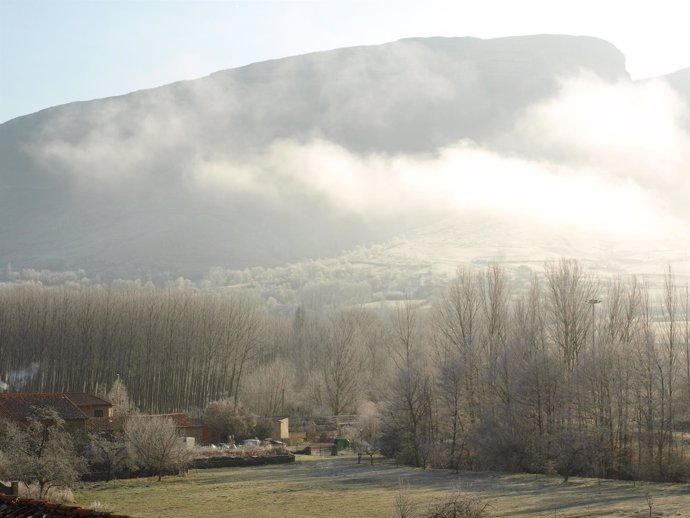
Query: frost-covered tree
pixel 41 453
pixel 154 443
pixel 118 395
pixel 231 419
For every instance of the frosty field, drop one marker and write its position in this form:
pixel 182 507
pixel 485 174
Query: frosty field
pixel 339 487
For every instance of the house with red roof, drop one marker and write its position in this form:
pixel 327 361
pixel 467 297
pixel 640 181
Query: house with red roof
pixel 189 427
pixel 22 406
pixel 75 408
pixel 92 406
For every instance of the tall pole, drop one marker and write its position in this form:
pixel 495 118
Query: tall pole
pixel 593 302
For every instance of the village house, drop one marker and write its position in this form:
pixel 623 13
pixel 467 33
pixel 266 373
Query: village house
pixel 187 426
pixel 22 406
pixel 92 406
pixel 190 427
pixel 84 413
pixel 76 409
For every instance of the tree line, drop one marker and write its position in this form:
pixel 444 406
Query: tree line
pixel 176 349
pixel 570 374
pixel 549 380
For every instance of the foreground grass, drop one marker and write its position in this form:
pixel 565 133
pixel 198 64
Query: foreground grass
pixel 309 487
pixel 339 487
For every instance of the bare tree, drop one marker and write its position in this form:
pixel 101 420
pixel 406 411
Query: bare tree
pixel 459 325
pixel 671 335
pixel 685 307
pixel 495 300
pixel 409 412
pixel 42 452
pixel 268 391
pixel 231 419
pixel 154 443
pixel 569 289
pixel 342 365
pixel 453 419
pixel 118 395
pixel 107 453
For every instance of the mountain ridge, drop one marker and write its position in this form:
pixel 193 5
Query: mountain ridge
pixel 208 172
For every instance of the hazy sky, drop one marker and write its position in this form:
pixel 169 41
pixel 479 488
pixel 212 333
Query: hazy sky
pixel 57 51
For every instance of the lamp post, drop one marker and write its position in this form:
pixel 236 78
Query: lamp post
pixel 593 302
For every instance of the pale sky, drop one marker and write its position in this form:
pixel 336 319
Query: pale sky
pixel 58 51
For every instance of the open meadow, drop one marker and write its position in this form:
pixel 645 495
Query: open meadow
pixel 339 487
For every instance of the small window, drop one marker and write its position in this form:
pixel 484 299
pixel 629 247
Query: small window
pixel 98 413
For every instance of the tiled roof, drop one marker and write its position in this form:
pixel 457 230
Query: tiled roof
pixel 109 424
pixel 181 420
pixel 83 399
pixel 13 506
pixel 22 405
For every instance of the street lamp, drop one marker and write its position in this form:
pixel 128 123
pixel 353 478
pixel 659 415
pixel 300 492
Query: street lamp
pixel 593 302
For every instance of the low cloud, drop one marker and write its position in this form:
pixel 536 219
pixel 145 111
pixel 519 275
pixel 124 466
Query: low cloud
pixel 628 131
pixel 608 156
pixel 465 178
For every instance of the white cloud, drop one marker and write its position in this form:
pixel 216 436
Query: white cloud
pixel 461 179
pixel 610 157
pixel 624 129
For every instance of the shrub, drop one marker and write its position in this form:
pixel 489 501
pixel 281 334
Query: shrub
pixel 101 507
pixel 247 451
pixel 263 429
pixel 154 444
pixel 231 419
pixel 459 507
pixel 55 495
pixel 107 453
pixel 456 506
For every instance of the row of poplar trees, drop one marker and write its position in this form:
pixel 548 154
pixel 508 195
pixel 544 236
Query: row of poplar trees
pixel 175 349
pixel 568 374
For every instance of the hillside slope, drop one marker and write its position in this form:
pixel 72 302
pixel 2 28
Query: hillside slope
pixel 252 166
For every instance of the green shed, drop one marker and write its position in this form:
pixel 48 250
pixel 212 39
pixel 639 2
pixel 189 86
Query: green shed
pixel 342 443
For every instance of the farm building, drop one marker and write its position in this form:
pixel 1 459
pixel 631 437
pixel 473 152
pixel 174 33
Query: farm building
pixel 188 426
pixel 92 406
pixel 280 427
pixel 22 406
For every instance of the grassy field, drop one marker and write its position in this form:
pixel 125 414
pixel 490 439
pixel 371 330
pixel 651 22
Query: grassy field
pixel 339 487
